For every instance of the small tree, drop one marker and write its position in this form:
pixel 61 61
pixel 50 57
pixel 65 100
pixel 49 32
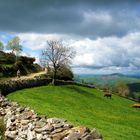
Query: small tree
pixel 15 46
pixel 1 46
pixel 56 54
pixel 122 89
pixel 63 73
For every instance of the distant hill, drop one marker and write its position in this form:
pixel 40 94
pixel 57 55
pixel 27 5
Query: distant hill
pixel 115 82
pixel 106 80
pixel 116 74
pixel 135 75
pixel 9 67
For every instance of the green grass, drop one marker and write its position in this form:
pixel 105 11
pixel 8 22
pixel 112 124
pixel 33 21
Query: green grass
pixel 7 65
pixel 114 118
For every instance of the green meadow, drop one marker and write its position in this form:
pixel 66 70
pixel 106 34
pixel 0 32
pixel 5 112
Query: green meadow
pixel 114 118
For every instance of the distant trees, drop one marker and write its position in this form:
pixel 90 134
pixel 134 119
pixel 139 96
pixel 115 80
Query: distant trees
pixel 1 46
pixel 122 89
pixel 14 45
pixel 57 55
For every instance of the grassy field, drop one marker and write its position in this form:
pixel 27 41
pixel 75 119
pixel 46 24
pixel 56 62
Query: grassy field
pixel 114 118
pixel 113 82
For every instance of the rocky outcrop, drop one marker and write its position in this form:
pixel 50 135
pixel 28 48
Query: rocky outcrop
pixel 9 65
pixel 22 123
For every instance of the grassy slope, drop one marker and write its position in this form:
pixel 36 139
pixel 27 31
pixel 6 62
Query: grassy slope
pixel 112 81
pixel 114 118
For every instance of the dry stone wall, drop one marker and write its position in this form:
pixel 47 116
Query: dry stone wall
pixel 13 85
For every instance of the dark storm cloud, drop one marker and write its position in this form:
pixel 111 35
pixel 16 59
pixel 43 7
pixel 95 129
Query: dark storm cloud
pixel 80 17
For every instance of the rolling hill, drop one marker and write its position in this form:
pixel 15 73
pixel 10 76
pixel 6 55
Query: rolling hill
pixel 107 80
pixel 113 81
pixel 114 118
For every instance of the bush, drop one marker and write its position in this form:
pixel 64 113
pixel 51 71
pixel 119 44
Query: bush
pixel 63 73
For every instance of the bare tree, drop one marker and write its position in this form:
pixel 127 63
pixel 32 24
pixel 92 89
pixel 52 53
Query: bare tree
pixel 57 53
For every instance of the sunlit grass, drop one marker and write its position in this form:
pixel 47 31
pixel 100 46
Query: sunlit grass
pixel 114 118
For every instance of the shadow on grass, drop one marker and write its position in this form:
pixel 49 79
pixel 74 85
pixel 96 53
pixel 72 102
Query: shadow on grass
pixel 83 91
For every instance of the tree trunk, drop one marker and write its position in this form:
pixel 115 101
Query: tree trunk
pixel 54 77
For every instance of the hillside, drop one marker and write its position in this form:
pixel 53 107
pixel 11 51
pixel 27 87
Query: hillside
pixel 114 118
pixel 9 64
pixel 114 81
pixel 107 80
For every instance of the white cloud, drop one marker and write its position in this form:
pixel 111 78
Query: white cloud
pixel 36 41
pixel 109 52
pixel 103 54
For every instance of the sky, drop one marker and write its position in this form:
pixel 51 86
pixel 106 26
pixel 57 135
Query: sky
pixel 104 33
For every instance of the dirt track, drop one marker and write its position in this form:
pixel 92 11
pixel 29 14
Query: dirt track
pixel 29 76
